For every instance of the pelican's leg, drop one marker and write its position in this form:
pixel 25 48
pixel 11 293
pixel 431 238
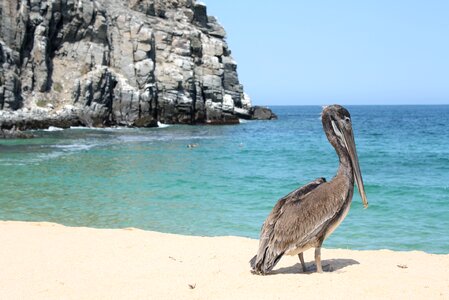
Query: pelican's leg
pixel 303 264
pixel 319 269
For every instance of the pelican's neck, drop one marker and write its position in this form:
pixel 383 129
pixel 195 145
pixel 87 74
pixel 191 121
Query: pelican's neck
pixel 345 166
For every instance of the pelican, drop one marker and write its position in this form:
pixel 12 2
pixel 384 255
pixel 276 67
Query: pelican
pixel 308 215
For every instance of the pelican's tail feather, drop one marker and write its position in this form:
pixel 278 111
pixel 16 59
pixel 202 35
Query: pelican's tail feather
pixel 263 265
pixel 252 262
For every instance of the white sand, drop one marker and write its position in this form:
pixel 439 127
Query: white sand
pixel 50 261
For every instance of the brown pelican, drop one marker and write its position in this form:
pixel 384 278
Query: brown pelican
pixel 305 217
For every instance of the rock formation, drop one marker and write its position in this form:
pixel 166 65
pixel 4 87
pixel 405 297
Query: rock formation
pixel 115 62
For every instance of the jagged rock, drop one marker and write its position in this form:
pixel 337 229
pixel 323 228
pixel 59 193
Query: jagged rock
pixel 130 63
pixel 215 29
pixel 228 104
pixel 40 118
pixel 10 85
pixel 246 101
pixel 200 14
pixel 217 116
pixel 262 113
pixel 243 113
pixel 14 134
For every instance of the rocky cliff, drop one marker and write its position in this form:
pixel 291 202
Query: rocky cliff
pixel 105 63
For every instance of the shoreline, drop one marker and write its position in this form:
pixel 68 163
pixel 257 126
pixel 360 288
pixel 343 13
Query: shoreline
pixel 52 261
pixel 17 124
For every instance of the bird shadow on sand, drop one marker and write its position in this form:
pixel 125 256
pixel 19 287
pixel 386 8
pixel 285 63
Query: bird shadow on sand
pixel 329 265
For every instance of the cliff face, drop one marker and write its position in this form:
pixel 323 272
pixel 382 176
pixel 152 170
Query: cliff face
pixel 103 63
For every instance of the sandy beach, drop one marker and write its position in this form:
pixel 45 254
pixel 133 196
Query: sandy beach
pixel 51 261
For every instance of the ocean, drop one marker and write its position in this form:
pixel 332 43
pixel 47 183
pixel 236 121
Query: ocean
pixel 229 182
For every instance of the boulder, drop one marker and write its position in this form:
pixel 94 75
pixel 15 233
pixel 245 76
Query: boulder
pixel 14 134
pixel 262 113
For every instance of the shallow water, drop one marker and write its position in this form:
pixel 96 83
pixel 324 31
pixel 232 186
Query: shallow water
pixel 148 178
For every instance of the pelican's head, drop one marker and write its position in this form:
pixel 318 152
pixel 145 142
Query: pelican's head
pixel 338 127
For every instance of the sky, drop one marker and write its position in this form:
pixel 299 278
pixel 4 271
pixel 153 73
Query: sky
pixel 343 51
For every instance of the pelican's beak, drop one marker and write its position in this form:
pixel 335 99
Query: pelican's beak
pixel 348 138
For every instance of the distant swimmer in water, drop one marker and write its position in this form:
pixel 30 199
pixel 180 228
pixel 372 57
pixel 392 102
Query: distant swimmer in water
pixel 191 146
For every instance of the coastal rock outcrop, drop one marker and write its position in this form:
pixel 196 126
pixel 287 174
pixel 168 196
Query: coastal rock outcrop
pixel 14 134
pixel 262 113
pixel 129 63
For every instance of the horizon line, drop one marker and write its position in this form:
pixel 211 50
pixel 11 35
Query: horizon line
pixel 419 104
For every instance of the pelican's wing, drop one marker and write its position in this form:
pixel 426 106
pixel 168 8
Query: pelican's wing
pixel 273 244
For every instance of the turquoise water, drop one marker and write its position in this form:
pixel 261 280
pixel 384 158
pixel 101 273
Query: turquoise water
pixel 149 179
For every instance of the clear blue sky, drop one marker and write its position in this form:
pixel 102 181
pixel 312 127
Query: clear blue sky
pixel 341 51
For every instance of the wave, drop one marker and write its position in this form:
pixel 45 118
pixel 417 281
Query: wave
pixel 49 129
pixel 99 128
pixel 53 128
pixel 74 147
pixel 162 125
pixel 31 161
pixel 55 151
